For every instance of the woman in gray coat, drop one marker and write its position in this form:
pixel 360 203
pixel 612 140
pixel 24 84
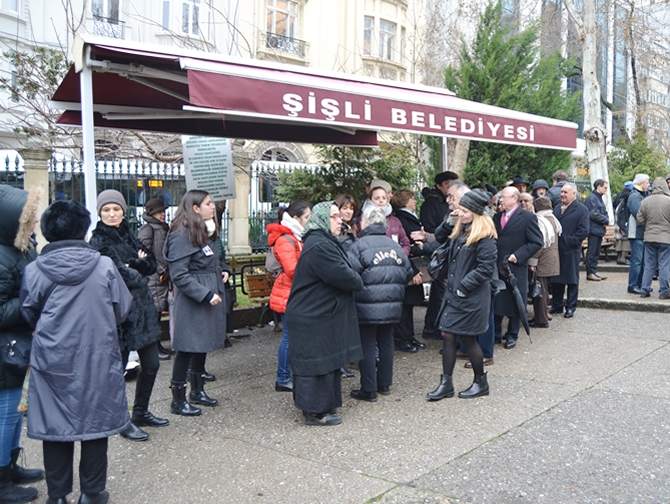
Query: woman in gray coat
pixel 74 297
pixel 469 265
pixel 198 278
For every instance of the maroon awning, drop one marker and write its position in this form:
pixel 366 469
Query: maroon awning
pixel 154 88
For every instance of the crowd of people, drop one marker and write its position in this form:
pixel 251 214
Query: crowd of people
pixel 349 274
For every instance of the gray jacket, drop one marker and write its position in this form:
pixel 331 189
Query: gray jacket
pixel 654 214
pixel 77 391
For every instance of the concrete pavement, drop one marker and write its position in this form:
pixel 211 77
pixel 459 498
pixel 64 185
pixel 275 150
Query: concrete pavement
pixel 580 415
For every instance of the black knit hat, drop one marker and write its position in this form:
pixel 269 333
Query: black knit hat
pixel 519 179
pixel 475 200
pixel 65 220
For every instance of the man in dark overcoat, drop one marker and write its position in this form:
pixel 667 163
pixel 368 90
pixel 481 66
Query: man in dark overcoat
pixel 435 207
pixel 574 218
pixel 519 238
pixel 598 222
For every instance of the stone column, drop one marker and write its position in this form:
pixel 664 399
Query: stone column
pixel 35 165
pixel 238 208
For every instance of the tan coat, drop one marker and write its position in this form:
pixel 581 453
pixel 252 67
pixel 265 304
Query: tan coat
pixel 548 263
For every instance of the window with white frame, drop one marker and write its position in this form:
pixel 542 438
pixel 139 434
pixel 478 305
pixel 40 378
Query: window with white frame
pixel 368 31
pixel 282 18
pixel 386 39
pixel 10 5
pixel 106 9
pixel 186 17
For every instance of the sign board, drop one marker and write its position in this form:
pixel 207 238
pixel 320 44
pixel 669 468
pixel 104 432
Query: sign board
pixel 209 166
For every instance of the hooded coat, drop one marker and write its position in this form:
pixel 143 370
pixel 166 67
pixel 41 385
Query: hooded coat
pixel 140 328
pixel 77 390
pixel 385 271
pixel 18 210
pixel 654 213
pixel 153 235
pixel 287 249
pixel 470 270
pixel 321 312
pixel 196 274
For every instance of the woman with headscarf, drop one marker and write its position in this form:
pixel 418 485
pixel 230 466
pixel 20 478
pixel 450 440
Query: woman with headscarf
pixel 546 261
pixel 469 267
pixel 112 237
pixel 321 317
pixel 285 238
pixel 198 276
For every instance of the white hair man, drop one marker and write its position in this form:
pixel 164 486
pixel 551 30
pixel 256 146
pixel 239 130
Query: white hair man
pixel 635 233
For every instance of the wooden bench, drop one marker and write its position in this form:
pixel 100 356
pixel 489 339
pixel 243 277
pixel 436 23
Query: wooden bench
pixel 257 285
pixel 608 243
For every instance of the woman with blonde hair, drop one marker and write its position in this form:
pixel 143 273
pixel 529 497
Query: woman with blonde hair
pixel 468 268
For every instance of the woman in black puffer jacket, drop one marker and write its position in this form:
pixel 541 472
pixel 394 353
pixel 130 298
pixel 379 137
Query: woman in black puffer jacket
pixel 385 270
pixel 113 238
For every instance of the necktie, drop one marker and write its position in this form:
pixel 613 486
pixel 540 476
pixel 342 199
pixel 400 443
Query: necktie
pixel 503 220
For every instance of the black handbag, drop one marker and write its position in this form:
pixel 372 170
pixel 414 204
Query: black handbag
pixel 15 348
pixel 437 269
pixel 534 286
pixel 15 353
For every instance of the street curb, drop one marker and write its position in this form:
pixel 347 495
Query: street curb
pixel 624 305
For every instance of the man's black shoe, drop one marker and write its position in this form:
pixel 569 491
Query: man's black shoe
pixel 553 310
pixel 510 343
pixel 634 290
pixel 539 326
pixel 569 314
pixel 407 347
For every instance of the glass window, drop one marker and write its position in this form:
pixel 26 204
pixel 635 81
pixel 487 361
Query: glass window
pixel 166 15
pixel 190 17
pixel 108 9
pixel 386 39
pixel 367 35
pixel 12 5
pixel 282 17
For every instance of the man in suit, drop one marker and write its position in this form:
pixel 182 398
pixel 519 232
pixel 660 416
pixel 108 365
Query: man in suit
pixel 574 218
pixel 598 222
pixel 519 238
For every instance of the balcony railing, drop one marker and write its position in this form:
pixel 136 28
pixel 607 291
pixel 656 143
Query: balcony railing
pixel 108 27
pixel 285 44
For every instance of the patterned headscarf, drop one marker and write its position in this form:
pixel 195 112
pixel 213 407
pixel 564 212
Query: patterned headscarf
pixel 320 218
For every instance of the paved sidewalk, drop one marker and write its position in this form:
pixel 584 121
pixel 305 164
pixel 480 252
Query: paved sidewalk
pixel 580 415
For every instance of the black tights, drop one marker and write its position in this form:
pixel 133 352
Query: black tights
pixel 185 360
pixel 472 347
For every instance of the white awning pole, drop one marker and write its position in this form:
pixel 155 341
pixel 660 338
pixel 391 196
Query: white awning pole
pixel 90 182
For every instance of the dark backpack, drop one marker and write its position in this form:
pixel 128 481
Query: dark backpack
pixel 622 214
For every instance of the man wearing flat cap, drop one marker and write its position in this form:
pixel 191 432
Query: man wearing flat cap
pixel 520 182
pixel 435 207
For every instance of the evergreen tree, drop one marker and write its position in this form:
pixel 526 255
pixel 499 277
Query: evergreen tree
pixel 629 157
pixel 506 69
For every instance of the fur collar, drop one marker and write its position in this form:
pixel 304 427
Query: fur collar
pixel 23 240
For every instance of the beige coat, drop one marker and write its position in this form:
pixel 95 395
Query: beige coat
pixel 546 259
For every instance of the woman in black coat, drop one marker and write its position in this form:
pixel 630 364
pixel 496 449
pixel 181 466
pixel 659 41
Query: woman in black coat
pixel 198 277
pixel 18 209
pixel 113 238
pixel 385 270
pixel 468 268
pixel 321 317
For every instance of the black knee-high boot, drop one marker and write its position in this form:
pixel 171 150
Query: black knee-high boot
pixel 197 394
pixel 141 414
pixel 179 404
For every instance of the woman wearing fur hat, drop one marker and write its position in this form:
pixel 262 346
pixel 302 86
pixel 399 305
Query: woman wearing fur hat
pixel 77 391
pixel 469 267
pixel 17 249
pixel 113 238
pixel 198 277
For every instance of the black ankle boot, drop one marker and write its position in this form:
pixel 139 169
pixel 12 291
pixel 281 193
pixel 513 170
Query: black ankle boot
pixel 179 404
pixel 97 498
pixel 141 415
pixel 12 494
pixel 445 389
pixel 197 394
pixel 21 476
pixel 134 433
pixel 479 387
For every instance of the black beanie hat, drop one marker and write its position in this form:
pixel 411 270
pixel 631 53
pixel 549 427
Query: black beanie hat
pixel 475 201
pixel 65 220
pixel 445 175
